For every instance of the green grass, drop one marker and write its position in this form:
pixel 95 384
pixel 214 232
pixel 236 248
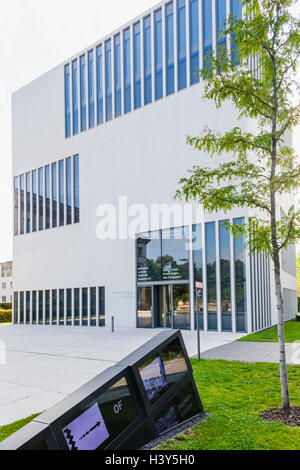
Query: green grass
pixel 292 333
pixel 234 393
pixel 6 431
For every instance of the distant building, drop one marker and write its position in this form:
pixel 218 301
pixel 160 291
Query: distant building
pixel 6 282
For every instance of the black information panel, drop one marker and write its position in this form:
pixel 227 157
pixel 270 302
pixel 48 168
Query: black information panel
pixel 145 395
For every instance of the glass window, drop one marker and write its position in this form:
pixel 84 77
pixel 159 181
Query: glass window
pixel 21 308
pixel 158 54
pixel 127 71
pixel 240 280
pixel 181 19
pixel 91 89
pixel 236 11
pixel 76 307
pixel 22 202
pixel 175 254
pixel 69 307
pixel 198 271
pixel 84 307
pixel 47 307
pixel 101 292
pixel 149 257
pixel 221 24
pixel 28 194
pixel 69 189
pixel 76 188
pixel 54 307
pixel 61 193
pixel 224 237
pixel 75 96
pixel 34 307
pixel 194 40
pixel 147 60
pixel 67 101
pixel 61 306
pixel 181 307
pixel 100 117
pixel 16 308
pixel 144 307
pixel 170 48
pixel 207 32
pixel 210 238
pixel 27 310
pixel 137 65
pixel 34 201
pixel 47 195
pixel 16 205
pixel 108 80
pixel 83 92
pixel 54 194
pixel 118 84
pixel 93 306
pixel 41 307
pixel 41 199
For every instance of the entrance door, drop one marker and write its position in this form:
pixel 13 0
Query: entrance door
pixel 172 306
pixel 181 307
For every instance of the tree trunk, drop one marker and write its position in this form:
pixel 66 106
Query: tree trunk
pixel 281 337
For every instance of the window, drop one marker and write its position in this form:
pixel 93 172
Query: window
pixel 127 71
pixel 21 308
pixel 76 307
pixel 76 188
pixel 61 193
pixel 93 306
pixel 33 307
pixel 16 206
pixel 54 307
pixel 91 89
pixel 67 102
pixel 101 304
pixel 22 197
pixel 158 54
pixel 170 48
pixel 221 25
pixel 41 199
pixel 100 117
pixel 75 96
pixel 224 237
pixel 83 92
pixel 54 195
pixel 41 307
pixel 69 307
pixel 61 307
pixel 137 65
pixel 34 201
pixel 198 270
pixel 181 18
pixel 147 60
pixel 210 237
pixel 16 307
pixel 47 195
pixel 118 85
pixel 28 194
pixel 240 281
pixel 69 190
pixel 207 32
pixel 47 307
pixel 3 298
pixel 84 307
pixel 3 285
pixel 236 11
pixel 175 256
pixel 108 80
pixel 194 40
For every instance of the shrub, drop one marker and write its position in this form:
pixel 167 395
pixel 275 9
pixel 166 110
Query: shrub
pixel 5 316
pixel 298 304
pixel 5 306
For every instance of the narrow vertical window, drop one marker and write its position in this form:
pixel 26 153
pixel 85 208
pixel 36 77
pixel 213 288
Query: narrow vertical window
pixel 100 116
pixel 67 102
pixel 41 308
pixel 33 307
pixel 22 202
pixel 108 80
pixel 75 96
pixel 41 199
pixel 158 54
pixel 54 307
pixel 170 48
pixel 16 206
pixel 221 26
pixel 207 32
pixel 69 190
pixel 16 307
pixel 76 307
pixel 61 193
pixel 198 272
pixel 27 308
pixel 91 89
pixel 224 237
pixel 101 293
pixel 240 280
pixel 28 204
pixel 93 307
pixel 147 60
pixel 21 308
pixel 137 65
pixel 127 71
pixel 236 11
pixel 47 195
pixel 47 307
pixel 69 307
pixel 34 201
pixel 61 307
pixel 181 35
pixel 83 92
pixel 76 188
pixel 211 275
pixel 118 83
pixel 54 194
pixel 84 307
pixel 194 41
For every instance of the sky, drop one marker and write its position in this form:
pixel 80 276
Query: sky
pixel 35 36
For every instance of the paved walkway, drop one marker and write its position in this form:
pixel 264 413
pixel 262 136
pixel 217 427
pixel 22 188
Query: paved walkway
pixel 254 352
pixel 45 364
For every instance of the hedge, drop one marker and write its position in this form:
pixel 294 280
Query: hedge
pixel 5 306
pixel 5 316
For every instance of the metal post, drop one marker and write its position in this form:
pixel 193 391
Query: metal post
pixel 112 324
pixel 198 324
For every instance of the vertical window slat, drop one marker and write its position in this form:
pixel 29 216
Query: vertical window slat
pixel 127 71
pixel 137 65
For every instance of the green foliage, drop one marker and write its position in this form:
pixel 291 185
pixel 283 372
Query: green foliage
pixel 5 316
pixel 291 330
pixel 6 431
pixel 5 306
pixel 262 166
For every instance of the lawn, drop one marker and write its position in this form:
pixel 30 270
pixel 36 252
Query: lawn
pixel 292 333
pixel 6 431
pixel 234 393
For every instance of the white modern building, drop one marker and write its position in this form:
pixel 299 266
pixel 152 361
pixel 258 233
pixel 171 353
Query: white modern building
pixel 106 130
pixel 6 282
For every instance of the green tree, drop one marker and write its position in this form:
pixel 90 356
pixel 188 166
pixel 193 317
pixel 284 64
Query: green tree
pixel 262 166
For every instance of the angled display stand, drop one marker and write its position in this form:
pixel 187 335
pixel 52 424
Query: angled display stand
pixel 147 394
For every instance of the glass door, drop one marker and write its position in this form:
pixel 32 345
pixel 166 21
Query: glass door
pixel 168 306
pixel 181 307
pixel 144 314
